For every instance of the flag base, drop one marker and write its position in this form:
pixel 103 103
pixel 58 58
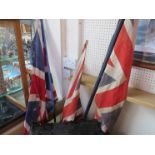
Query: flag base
pixel 89 127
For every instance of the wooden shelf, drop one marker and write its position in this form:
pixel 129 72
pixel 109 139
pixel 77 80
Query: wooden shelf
pixel 141 97
pixel 16 125
pixel 88 80
pixel 134 95
pixel 16 102
pixel 14 128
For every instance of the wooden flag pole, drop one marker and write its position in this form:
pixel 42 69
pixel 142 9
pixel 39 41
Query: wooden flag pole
pixel 110 49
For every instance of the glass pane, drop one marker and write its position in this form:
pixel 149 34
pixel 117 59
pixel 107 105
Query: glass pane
pixel 10 78
pixel 9 62
pixel 26 30
pixel 11 91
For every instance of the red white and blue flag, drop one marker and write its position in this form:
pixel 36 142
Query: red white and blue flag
pixel 112 90
pixel 72 107
pixel 42 93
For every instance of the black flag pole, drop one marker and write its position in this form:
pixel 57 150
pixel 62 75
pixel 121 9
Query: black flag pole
pixel 109 51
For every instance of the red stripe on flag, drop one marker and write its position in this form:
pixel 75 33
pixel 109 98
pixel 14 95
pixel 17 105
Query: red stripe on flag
pixel 112 97
pixel 124 51
pixel 71 107
pixel 75 82
pixel 25 131
pixel 38 87
pixel 44 118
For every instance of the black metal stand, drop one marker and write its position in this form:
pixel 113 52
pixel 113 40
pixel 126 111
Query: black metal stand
pixel 110 49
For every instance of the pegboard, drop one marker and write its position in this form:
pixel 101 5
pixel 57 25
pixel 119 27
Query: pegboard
pixel 143 79
pixel 99 33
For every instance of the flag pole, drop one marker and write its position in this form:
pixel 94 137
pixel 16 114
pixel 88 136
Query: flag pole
pixel 109 51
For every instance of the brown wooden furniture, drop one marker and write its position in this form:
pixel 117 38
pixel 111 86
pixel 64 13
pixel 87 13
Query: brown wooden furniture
pixel 16 25
pixel 16 127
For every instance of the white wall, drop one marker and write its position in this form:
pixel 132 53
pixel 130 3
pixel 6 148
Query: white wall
pixel 53 39
pixel 136 120
pixel 70 29
pixel 72 36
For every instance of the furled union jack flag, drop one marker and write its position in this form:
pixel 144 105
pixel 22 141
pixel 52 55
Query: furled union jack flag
pixel 42 93
pixel 71 107
pixel 112 90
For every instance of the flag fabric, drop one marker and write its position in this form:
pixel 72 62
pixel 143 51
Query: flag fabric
pixel 112 90
pixel 42 93
pixel 72 107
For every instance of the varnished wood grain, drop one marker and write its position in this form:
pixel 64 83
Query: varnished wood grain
pixel 21 59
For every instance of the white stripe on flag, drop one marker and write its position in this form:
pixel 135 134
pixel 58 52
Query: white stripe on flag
pixel 104 128
pixel 26 126
pixel 33 97
pixel 129 29
pixel 75 94
pixel 38 73
pixel 42 109
pixel 71 117
pixel 116 72
pixel 109 109
pixel 76 72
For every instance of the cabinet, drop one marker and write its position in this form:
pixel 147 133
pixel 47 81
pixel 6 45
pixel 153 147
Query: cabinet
pixel 13 73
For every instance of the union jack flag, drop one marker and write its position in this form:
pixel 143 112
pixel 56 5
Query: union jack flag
pixel 71 107
pixel 112 90
pixel 42 92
